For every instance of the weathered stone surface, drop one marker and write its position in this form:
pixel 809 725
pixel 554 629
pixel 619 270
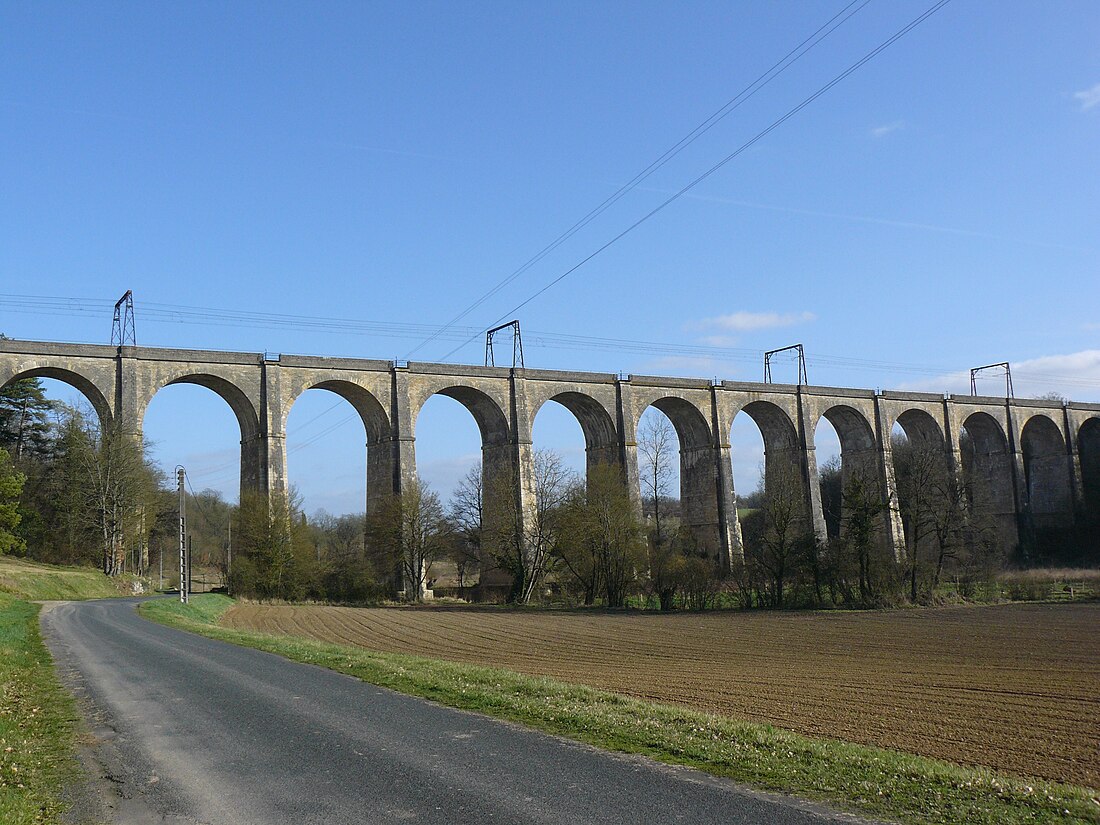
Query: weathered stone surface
pixel 1036 459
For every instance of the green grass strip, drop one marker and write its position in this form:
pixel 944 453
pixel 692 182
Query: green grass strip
pixel 51 582
pixel 37 722
pixel 872 781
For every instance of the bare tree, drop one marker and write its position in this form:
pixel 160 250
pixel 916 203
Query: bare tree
pixel 940 525
pixel 657 447
pixel 921 476
pixel 524 547
pixel 111 480
pixel 466 511
pixel 408 532
pixel 602 542
pixel 785 530
pixel 862 511
pixel 553 481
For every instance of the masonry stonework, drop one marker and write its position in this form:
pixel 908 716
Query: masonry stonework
pixel 1037 461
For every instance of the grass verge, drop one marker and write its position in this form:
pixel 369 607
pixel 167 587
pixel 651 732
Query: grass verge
pixel 38 717
pixel 871 781
pixel 37 721
pixel 33 581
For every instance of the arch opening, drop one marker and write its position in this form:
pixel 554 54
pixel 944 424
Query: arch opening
pixel 1088 448
pixel 252 461
pixel 922 481
pixel 189 425
pixel 697 471
pixel 87 389
pixel 848 464
pixel 1047 473
pixel 329 449
pixel 921 430
pixel 55 436
pixel 463 455
pixel 558 439
pixel 827 454
pixel 781 454
pixel 233 395
pixel 363 485
pixel 776 522
pixel 988 474
pixel 600 439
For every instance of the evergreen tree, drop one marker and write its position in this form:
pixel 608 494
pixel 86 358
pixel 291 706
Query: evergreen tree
pixel 11 486
pixel 25 426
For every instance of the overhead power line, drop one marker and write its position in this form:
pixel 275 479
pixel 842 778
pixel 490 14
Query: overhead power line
pixel 780 66
pixel 201 316
pixel 734 154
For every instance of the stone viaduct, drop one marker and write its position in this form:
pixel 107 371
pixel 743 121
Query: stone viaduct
pixel 1039 461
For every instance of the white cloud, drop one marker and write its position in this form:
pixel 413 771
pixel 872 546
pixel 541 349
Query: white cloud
pixel 1088 97
pixel 887 128
pixel 1075 375
pixel 752 321
pixel 718 340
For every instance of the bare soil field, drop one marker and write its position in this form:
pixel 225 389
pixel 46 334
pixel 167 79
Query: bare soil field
pixel 1013 687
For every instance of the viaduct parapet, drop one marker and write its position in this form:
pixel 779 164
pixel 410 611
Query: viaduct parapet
pixel 1038 460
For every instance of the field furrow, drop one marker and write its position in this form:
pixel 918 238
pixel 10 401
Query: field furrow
pixel 1014 687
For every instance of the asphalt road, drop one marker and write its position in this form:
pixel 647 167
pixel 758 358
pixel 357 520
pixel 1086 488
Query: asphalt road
pixel 188 729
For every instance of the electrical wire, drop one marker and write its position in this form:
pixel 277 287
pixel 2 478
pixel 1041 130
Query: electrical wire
pixel 535 339
pixel 780 66
pixel 736 153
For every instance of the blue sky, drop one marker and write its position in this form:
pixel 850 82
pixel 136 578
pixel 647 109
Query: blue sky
pixel 935 211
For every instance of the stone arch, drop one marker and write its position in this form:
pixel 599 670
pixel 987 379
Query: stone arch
pixel 491 419
pixel 601 440
pixel 1046 473
pixel 781 446
pixel 858 453
pixel 783 483
pixel 988 471
pixel 921 471
pixel 1088 449
pixel 698 470
pixel 692 428
pixel 498 467
pixel 921 429
pixel 376 421
pixel 253 458
pixel 852 427
pixel 858 458
pixel 78 382
pixel 380 459
pixel 506 491
pixel 234 396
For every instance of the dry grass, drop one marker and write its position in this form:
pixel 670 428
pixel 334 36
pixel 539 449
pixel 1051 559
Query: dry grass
pixel 33 580
pixel 1053 575
pixel 1012 687
pixel 1050 584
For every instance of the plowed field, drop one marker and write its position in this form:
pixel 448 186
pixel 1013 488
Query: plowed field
pixel 1013 687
